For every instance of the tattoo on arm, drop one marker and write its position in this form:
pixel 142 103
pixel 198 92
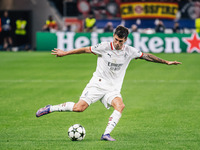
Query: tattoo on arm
pixel 153 58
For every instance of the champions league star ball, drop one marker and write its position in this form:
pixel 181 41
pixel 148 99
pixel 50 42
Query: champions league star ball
pixel 76 132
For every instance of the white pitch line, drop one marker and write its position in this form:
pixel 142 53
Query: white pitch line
pixel 39 81
pixel 164 81
pixel 74 81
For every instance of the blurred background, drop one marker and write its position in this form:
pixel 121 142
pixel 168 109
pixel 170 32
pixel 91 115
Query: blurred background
pixel 44 24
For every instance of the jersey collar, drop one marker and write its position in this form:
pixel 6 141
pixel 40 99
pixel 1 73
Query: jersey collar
pixel 113 48
pixel 111 45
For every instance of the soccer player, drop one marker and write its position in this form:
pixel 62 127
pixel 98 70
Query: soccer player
pixel 106 83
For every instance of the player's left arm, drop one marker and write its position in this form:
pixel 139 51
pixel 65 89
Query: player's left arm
pixel 153 58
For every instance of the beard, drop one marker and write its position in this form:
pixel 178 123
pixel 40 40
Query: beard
pixel 117 47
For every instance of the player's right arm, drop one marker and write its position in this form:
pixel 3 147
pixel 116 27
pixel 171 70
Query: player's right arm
pixel 61 53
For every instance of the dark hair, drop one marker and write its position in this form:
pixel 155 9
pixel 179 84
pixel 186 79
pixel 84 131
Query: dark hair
pixel 121 32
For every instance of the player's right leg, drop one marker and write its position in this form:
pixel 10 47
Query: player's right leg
pixel 68 106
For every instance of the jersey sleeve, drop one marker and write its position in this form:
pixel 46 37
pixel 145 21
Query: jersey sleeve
pixel 136 53
pixel 98 49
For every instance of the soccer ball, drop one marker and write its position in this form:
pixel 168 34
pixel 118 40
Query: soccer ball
pixel 76 132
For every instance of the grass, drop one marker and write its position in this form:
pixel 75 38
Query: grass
pixel 162 103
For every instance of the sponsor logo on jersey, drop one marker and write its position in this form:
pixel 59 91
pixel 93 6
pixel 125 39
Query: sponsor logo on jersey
pixel 114 67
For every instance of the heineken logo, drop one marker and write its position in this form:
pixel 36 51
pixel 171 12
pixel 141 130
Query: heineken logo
pixel 193 43
pixel 155 43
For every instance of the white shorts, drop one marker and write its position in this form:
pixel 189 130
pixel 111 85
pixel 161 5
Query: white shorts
pixel 92 93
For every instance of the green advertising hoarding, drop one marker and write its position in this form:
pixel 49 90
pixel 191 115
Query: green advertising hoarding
pixel 154 43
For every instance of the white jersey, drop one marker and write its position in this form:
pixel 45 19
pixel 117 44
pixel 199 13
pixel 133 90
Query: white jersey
pixel 112 64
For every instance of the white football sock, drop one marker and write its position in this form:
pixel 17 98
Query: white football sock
pixel 68 106
pixel 113 120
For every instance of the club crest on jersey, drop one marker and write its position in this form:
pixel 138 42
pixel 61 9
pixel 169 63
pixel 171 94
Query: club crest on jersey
pixel 125 55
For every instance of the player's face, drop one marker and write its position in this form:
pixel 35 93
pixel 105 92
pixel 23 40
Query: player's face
pixel 118 42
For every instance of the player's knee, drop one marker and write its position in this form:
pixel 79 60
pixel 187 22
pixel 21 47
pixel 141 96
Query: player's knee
pixel 79 108
pixel 120 107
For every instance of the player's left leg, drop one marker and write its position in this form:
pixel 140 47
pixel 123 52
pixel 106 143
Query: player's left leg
pixel 118 105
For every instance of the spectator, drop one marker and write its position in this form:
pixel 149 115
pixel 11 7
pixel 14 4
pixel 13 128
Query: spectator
pixel 1 47
pixel 160 28
pixel 6 31
pixel 51 25
pixel 21 33
pixel 134 28
pixel 90 23
pixel 108 27
pixel 20 27
pixel 0 26
pixel 176 28
pixel 68 28
pixel 197 25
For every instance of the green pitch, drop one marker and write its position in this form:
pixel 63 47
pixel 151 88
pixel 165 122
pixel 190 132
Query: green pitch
pixel 162 103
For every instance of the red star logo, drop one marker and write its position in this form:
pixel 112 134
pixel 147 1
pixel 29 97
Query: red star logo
pixel 193 43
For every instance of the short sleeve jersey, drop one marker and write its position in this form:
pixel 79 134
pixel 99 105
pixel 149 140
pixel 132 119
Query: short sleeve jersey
pixel 112 63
